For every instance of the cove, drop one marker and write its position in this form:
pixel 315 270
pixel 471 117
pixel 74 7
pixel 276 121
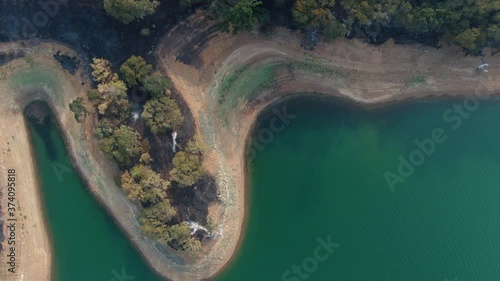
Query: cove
pixel 321 181
pixel 87 244
pixel 323 176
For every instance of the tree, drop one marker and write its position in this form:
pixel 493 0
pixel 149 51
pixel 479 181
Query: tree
pixel 113 101
pixel 77 107
pixel 182 240
pixel 427 19
pixel 134 70
pixel 313 13
pixel 192 246
pixel 102 72
pixel 187 166
pixel 162 212
pixel 146 159
pixel 237 15
pixel 155 229
pixel 156 84
pixel 469 38
pixel 128 10
pixel 333 30
pixel 110 98
pixel 122 145
pixel 162 114
pixel 493 32
pixel 144 185
pixel 154 220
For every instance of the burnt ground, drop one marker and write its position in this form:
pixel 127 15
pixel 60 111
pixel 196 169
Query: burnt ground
pixel 7 57
pixel 84 26
pixel 192 202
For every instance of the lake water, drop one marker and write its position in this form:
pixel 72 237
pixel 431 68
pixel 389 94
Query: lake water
pixel 327 201
pixel 87 244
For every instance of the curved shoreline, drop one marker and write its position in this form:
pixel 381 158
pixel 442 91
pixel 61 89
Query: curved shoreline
pixel 199 79
pixel 366 75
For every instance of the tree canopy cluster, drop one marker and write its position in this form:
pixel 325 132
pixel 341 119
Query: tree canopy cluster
pixel 187 166
pixel 124 141
pixel 238 15
pixel 128 10
pixel 471 24
pixel 162 114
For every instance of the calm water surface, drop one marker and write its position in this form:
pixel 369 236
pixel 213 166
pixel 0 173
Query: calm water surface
pixel 321 181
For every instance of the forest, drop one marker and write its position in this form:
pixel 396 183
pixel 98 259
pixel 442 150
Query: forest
pixel 471 24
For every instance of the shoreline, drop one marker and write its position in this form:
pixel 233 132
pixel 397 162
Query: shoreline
pixel 40 196
pixel 198 82
pixel 318 96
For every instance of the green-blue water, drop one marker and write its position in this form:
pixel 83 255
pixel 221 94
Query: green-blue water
pixel 87 244
pixel 323 176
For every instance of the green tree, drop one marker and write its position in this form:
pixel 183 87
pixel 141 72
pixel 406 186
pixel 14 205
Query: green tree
pixel 134 70
pixel 105 128
pixel 144 185
pixel 110 98
pixel 162 114
pixel 79 110
pixel 373 12
pixel 122 145
pixel 156 84
pixel 493 32
pixel 182 240
pixel 128 10
pixel 192 246
pixel 427 19
pixel 187 166
pixel 162 212
pixel 146 159
pixel 313 12
pixel 102 72
pixel 113 101
pixel 237 15
pixel 469 39
pixel 333 30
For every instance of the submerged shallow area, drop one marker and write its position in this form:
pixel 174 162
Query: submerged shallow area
pixel 321 183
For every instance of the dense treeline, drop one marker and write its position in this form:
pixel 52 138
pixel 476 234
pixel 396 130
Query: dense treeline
pixel 122 142
pixel 472 24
